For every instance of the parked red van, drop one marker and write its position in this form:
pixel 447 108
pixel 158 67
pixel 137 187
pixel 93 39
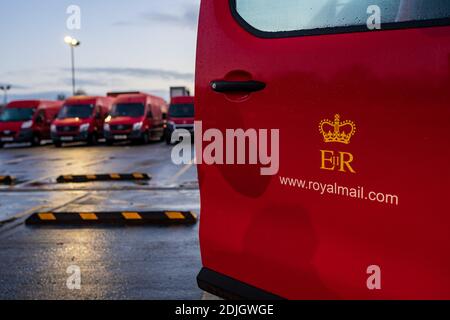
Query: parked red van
pixel 359 206
pixel 81 119
pixel 181 116
pixel 27 121
pixel 135 117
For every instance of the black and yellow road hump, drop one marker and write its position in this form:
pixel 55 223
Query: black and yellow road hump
pixel 114 218
pixel 7 180
pixel 104 177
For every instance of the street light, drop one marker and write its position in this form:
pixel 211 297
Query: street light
pixel 5 89
pixel 72 42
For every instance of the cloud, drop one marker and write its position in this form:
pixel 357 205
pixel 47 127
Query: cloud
pixel 52 95
pixel 138 73
pixel 48 83
pixel 187 19
pixel 84 82
pixel 44 95
pixel 14 86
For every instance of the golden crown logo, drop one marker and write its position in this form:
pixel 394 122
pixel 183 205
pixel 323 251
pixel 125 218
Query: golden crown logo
pixel 337 131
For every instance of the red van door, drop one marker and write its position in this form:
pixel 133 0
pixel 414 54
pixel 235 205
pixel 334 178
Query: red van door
pixel 42 130
pixel 360 93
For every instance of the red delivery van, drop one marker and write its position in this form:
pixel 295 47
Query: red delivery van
pixel 27 121
pixel 135 117
pixel 358 208
pixel 181 116
pixel 81 119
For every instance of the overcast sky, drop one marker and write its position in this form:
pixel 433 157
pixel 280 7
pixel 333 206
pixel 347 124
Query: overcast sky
pixel 145 45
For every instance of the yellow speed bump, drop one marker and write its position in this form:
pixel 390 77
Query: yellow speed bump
pixel 173 215
pixel 47 216
pixel 117 217
pixel 131 215
pixel 88 216
pixel 71 178
pixel 7 180
pixel 138 175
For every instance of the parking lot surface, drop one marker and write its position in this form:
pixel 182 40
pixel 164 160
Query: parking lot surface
pixel 116 262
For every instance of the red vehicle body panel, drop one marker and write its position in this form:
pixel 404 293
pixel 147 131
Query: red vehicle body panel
pixel 102 106
pixel 182 100
pixel 47 110
pixel 297 243
pixel 154 106
pixel 179 117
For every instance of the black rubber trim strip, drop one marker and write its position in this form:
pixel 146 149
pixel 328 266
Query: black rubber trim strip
pixel 237 86
pixel 229 288
pixel 333 30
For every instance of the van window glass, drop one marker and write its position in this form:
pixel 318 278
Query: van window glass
pixel 133 110
pixel 296 15
pixel 181 111
pixel 17 114
pixel 81 111
pixel 40 116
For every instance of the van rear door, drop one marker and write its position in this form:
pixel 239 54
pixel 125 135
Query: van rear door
pixel 358 209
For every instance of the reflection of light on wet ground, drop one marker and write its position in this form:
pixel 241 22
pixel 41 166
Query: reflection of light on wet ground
pixel 87 249
pixel 138 200
pixel 151 262
pixel 12 204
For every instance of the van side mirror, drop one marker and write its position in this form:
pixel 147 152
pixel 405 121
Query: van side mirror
pixel 39 120
pixel 98 116
pixel 149 115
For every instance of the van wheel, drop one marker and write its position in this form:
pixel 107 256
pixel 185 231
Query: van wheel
pixel 36 141
pixel 145 138
pixel 58 144
pixel 92 140
pixel 163 137
pixel 168 138
pixel 109 142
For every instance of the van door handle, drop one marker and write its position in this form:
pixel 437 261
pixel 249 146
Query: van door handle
pixel 237 86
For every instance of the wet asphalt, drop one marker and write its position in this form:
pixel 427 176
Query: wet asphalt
pixel 148 262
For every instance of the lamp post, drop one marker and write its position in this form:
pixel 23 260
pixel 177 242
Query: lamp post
pixel 73 43
pixel 5 89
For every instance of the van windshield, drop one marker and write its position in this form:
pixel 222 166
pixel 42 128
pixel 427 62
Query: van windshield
pixel 17 114
pixel 132 110
pixel 81 111
pixel 181 111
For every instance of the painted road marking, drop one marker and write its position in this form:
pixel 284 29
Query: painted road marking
pixel 182 171
pixel 51 176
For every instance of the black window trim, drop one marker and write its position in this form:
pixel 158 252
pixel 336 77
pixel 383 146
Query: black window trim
pixel 333 30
